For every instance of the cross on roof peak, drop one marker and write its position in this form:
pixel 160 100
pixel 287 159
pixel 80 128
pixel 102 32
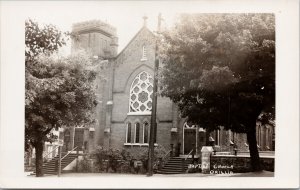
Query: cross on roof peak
pixel 145 20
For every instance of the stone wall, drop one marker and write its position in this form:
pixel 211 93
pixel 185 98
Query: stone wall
pixel 240 164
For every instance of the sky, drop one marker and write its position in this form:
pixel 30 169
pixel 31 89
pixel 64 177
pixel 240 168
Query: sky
pixel 127 17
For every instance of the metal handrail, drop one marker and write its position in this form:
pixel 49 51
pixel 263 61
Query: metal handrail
pixel 69 153
pixel 188 154
pixel 163 157
pixel 50 152
pixel 166 154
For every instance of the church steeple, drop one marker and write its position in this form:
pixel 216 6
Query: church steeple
pixel 145 20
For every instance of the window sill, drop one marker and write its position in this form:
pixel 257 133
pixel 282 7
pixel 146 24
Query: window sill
pixel 144 59
pixel 138 144
pixel 139 113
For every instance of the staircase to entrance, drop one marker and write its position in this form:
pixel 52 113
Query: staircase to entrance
pixel 51 166
pixel 175 165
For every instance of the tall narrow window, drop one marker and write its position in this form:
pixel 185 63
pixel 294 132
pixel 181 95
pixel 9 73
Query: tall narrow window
pixel 267 144
pixel 128 133
pixel 137 133
pixel 146 132
pixel 144 54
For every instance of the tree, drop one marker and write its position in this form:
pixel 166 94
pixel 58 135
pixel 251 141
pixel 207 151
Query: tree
pixel 45 39
pixel 59 90
pixel 220 70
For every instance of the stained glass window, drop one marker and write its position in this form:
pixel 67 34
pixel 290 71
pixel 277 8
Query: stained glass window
pixel 141 93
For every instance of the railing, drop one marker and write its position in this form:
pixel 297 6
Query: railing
pixel 69 153
pixel 58 161
pixel 166 154
pixel 163 157
pixel 184 160
pixel 50 153
pixel 188 154
pixel 154 165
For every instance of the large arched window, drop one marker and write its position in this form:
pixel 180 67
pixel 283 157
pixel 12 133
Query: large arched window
pixel 141 92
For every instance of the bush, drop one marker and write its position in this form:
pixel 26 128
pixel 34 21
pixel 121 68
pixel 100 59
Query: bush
pixel 114 160
pixel 111 160
pixel 84 165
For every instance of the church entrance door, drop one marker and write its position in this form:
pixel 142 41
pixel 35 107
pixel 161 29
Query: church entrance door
pixel 67 140
pixel 189 138
pixel 78 138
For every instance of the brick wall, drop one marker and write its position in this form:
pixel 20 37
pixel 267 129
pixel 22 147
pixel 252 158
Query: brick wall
pixel 130 58
pixel 114 84
pixel 127 66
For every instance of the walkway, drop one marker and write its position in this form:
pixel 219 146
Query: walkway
pixel 249 174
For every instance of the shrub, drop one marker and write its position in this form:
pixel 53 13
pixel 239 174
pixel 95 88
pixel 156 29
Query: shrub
pixel 111 159
pixel 114 160
pixel 84 165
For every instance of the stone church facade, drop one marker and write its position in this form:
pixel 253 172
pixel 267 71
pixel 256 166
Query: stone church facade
pixel 125 100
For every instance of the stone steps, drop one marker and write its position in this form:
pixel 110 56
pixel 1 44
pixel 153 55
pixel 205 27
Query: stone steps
pixel 51 167
pixel 174 166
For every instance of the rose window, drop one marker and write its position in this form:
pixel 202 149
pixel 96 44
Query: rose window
pixel 141 93
pixel 143 97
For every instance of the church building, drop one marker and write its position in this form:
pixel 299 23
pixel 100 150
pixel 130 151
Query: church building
pixel 125 93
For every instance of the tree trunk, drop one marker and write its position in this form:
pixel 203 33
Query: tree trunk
pixel 254 155
pixel 39 146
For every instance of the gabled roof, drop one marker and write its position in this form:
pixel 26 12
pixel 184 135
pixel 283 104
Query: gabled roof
pixel 135 36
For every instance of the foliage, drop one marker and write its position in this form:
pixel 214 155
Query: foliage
pixel 114 160
pixel 220 69
pixel 102 153
pixel 59 90
pixel 44 39
pixel 211 57
pixel 84 165
pixel 108 158
pixel 159 152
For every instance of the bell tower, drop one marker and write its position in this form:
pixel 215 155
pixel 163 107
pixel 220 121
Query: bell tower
pixel 96 37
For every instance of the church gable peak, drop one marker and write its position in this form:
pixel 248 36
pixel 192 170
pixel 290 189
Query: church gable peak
pixel 140 44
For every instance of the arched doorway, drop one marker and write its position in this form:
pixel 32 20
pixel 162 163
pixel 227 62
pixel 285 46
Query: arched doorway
pixel 78 138
pixel 189 137
pixel 67 140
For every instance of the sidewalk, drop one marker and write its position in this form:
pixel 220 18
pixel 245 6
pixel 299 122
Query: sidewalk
pixel 249 174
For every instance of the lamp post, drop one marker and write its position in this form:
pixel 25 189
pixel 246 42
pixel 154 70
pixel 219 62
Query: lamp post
pixel 154 106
